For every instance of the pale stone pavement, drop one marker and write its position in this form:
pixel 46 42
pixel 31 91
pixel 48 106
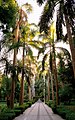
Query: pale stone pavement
pixel 38 111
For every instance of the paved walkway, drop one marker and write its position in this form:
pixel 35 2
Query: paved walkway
pixel 38 111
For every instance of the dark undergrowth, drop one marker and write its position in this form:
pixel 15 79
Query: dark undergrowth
pixel 10 114
pixel 65 111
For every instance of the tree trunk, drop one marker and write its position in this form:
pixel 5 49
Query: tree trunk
pixel 49 87
pixel 13 83
pixel 16 32
pixel 71 42
pixel 52 88
pixel 55 74
pixel 29 88
pixel 22 82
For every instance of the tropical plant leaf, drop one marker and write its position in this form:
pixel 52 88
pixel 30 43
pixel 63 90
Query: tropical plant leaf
pixel 30 52
pixel 66 52
pixel 15 45
pixel 46 16
pixel 27 7
pixel 41 1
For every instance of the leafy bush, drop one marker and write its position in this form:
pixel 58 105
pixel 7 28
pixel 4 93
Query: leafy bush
pixel 29 103
pixel 66 94
pixel 66 113
pixel 70 116
pixel 3 117
pixel 17 112
pixel 52 104
pixel 7 116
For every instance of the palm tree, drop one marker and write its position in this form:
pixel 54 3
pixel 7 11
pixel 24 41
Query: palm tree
pixel 66 10
pixel 21 20
pixel 27 35
pixel 52 59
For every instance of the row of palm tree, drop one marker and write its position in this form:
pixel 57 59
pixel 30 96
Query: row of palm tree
pixel 22 37
pixel 65 16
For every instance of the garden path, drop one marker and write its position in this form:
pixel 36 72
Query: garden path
pixel 38 111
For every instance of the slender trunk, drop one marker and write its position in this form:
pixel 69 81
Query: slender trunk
pixel 29 88
pixel 56 80
pixel 16 32
pixel 52 88
pixel 49 87
pixel 55 74
pixel 13 83
pixel 71 42
pixel 22 82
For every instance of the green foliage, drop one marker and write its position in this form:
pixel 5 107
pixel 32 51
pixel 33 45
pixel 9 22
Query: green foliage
pixel 39 86
pixel 66 113
pixel 51 104
pixel 5 86
pixel 65 69
pixel 66 94
pixel 46 16
pixel 9 114
pixel 64 8
pixel 17 91
pixel 8 13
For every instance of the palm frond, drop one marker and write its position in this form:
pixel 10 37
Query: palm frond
pixel 66 52
pixel 27 7
pixel 47 15
pixel 59 22
pixel 41 50
pixel 15 45
pixel 41 1
pixel 29 52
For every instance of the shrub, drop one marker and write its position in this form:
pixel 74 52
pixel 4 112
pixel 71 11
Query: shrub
pixel 7 116
pixel 70 116
pixel 17 112
pixel 66 113
pixel 49 103
pixel 29 103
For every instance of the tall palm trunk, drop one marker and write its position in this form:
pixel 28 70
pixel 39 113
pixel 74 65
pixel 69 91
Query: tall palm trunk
pixel 71 42
pixel 29 88
pixel 55 74
pixel 22 82
pixel 51 73
pixel 14 63
pixel 13 83
pixel 52 87
pixel 49 79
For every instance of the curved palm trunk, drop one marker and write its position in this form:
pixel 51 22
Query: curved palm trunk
pixel 22 82
pixel 71 43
